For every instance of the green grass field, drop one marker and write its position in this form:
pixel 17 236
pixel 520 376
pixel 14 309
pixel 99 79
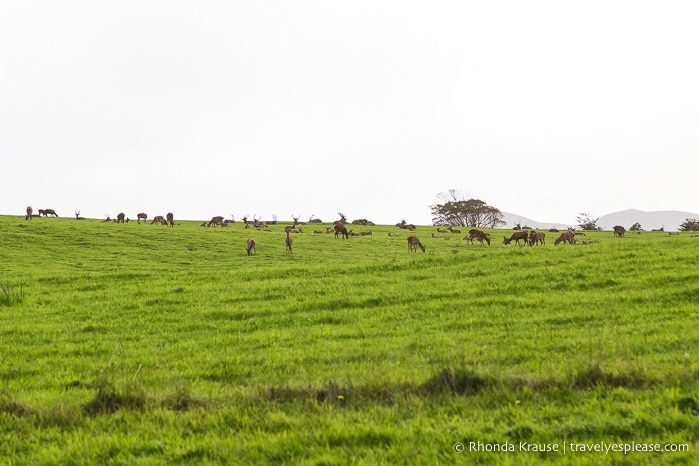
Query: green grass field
pixel 142 344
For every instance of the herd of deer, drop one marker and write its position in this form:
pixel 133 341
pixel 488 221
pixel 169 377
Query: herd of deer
pixel 530 237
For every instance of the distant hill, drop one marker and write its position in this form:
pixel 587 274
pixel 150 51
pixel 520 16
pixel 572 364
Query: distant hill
pixel 669 220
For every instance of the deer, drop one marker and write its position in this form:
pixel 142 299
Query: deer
pixel 252 246
pixel 342 220
pixel 141 216
pixel 296 221
pixel 341 229
pixel 567 237
pixel 619 231
pixel 452 230
pixel 218 220
pixel 120 217
pixel 29 213
pixel 478 235
pixel 414 243
pixel 516 236
pixel 314 220
pixel 537 237
pixel 77 215
pixel 159 219
pixel 170 219
pixel 289 240
pixel 405 226
pixel 50 212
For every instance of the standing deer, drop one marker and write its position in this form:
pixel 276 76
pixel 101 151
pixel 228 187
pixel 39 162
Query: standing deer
pixel 619 231
pixel 159 219
pixel 537 237
pixel 414 243
pixel 478 235
pixel 120 217
pixel 252 246
pixel 218 220
pixel 289 240
pixel 517 236
pixel 567 237
pixel 77 215
pixel 170 219
pixel 140 217
pixel 340 229
pixel 29 213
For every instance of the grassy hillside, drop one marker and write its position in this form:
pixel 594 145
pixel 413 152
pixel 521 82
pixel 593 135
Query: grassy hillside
pixel 142 344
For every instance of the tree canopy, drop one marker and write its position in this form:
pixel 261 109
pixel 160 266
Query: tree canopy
pixel 456 210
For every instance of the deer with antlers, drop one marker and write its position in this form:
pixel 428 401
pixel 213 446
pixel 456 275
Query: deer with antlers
pixel 77 215
pixel 414 243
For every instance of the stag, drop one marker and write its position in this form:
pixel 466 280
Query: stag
pixel 77 215
pixel 567 237
pixel 170 219
pixel 289 240
pixel 296 221
pixel 141 216
pixel 478 235
pixel 414 243
pixel 537 237
pixel 252 246
pixel 29 213
pixel 619 231
pixel 517 236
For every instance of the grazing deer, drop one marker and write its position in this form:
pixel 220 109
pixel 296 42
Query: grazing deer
pixel 414 243
pixel 47 212
pixel 619 231
pixel 478 235
pixel 159 219
pixel 289 240
pixel 218 220
pixel 77 215
pixel 140 217
pixel 567 237
pixel 537 237
pixel 29 213
pixel 516 236
pixel 170 219
pixel 120 217
pixel 252 246
pixel 340 229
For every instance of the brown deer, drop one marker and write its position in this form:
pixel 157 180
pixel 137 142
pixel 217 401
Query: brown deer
pixel 452 230
pixel 289 240
pixel 140 217
pixel 252 246
pixel 340 229
pixel 29 213
pixel 170 219
pixel 619 231
pixel 567 237
pixel 159 219
pixel 478 235
pixel 218 220
pixel 517 236
pixel 414 243
pixel 537 237
pixel 77 215
pixel 120 217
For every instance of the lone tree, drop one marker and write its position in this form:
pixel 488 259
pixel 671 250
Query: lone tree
pixel 689 224
pixel 456 210
pixel 587 222
pixel 636 227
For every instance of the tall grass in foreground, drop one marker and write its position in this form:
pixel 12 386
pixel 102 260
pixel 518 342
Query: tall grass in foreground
pixel 142 344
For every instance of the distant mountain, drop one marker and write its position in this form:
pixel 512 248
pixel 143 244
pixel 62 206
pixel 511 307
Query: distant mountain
pixel 670 220
pixel 513 219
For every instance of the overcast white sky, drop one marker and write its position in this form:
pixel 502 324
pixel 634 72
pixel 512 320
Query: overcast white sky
pixel 544 109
